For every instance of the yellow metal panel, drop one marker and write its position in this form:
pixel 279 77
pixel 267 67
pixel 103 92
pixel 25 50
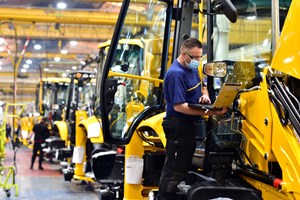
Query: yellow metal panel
pixel 287 54
pixel 63 130
pixel 155 123
pixel 257 128
pixel 81 139
pixel 89 122
pixel 134 148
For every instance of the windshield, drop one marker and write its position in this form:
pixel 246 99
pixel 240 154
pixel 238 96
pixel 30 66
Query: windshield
pixel 80 93
pixel 136 63
pixel 248 40
pixel 85 94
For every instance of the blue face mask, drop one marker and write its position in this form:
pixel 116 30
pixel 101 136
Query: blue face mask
pixel 194 64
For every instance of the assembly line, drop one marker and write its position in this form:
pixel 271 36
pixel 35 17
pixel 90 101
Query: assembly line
pixel 120 130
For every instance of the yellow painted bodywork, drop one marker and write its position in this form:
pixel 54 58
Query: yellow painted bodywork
pixel 63 130
pixel 286 58
pixel 89 124
pixel 80 141
pixel 267 140
pixel 26 124
pixel 137 147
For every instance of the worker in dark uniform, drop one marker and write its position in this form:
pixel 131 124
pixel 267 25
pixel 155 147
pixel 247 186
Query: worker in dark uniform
pixel 182 85
pixel 40 132
pixel 8 133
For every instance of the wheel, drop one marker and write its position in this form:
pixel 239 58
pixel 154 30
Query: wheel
pixel 7 193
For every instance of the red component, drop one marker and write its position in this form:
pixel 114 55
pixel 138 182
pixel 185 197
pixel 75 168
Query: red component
pixel 120 150
pixel 277 182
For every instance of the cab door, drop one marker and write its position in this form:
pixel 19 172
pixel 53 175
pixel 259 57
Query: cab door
pixel 132 76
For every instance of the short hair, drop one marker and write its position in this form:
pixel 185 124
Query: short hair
pixel 191 43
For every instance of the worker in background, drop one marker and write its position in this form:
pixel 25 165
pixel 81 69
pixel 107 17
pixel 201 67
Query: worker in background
pixel 182 85
pixel 8 133
pixel 40 132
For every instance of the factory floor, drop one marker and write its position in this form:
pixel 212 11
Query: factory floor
pixel 44 184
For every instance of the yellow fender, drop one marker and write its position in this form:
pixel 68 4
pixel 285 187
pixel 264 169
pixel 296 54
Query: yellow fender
pixel 93 127
pixel 62 129
pixel 155 123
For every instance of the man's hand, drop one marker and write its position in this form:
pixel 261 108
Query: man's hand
pixel 204 99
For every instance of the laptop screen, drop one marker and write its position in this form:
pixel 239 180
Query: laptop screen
pixel 226 95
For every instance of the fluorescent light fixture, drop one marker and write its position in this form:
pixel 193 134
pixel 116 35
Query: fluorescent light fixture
pixel 46 69
pixel 56 59
pixel 63 51
pixel 73 43
pixel 265 43
pixel 61 5
pixel 37 47
pixel 26 66
pixel 28 61
pixel 74 67
pixel 251 18
pixel 2 41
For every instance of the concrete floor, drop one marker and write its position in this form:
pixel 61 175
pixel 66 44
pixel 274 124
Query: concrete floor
pixel 44 184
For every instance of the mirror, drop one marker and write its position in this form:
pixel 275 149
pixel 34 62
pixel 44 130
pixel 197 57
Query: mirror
pixel 227 8
pixel 215 69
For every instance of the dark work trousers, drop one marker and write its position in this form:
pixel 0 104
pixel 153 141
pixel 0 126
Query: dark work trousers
pixel 181 143
pixel 37 146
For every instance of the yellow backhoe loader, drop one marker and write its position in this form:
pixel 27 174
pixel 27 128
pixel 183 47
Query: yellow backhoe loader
pixel 250 153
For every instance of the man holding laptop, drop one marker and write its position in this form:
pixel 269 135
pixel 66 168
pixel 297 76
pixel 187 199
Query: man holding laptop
pixel 182 86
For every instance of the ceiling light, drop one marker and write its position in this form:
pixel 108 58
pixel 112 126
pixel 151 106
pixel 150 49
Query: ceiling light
pixel 37 47
pixel 64 51
pixel 23 70
pixel 251 18
pixel 67 70
pixel 46 69
pixel 266 42
pixel 28 61
pixel 64 75
pixel 2 41
pixel 57 59
pixel 74 67
pixel 26 66
pixel 73 43
pixel 61 5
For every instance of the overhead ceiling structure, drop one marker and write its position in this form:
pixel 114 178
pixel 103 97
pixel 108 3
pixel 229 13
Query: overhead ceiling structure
pixel 38 39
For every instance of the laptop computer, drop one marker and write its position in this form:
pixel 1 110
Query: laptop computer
pixel 224 99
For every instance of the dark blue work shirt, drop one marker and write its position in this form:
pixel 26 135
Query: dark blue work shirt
pixel 181 85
